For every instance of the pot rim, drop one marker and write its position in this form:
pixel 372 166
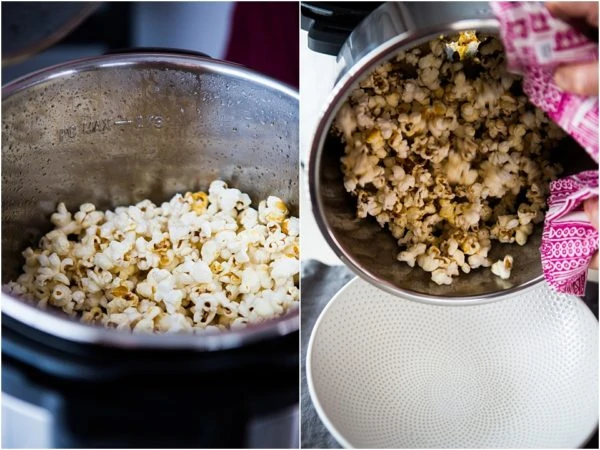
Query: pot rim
pixel 341 90
pixel 57 324
pixel 145 58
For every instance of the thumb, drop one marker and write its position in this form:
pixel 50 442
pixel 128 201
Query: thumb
pixel 590 206
pixel 579 79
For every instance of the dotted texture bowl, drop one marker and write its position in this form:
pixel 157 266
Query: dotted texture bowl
pixel 518 373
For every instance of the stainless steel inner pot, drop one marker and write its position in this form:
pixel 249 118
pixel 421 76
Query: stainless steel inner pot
pixel 116 129
pixel 362 244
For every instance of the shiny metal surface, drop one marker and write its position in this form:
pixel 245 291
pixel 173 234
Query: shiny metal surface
pixel 114 130
pixel 362 245
pixel 393 19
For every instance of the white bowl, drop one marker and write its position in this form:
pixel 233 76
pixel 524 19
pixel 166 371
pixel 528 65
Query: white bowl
pixel 384 372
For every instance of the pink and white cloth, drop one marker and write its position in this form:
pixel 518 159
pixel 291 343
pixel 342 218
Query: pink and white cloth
pixel 536 43
pixel 569 240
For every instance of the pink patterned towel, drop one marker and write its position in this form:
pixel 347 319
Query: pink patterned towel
pixel 569 240
pixel 536 44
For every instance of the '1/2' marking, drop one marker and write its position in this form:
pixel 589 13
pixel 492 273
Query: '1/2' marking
pixel 150 120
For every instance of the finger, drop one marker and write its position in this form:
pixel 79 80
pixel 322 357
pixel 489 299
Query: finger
pixel 587 11
pixel 594 262
pixel 579 79
pixel 590 206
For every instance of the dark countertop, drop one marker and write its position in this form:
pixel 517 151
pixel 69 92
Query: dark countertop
pixel 319 284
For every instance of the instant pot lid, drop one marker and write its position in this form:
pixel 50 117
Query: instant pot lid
pixel 30 27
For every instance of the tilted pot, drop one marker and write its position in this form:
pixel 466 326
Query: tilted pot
pixel 114 130
pixel 361 244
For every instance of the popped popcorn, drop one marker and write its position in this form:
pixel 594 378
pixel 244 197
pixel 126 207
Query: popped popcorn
pixel 202 261
pixel 503 267
pixel 446 151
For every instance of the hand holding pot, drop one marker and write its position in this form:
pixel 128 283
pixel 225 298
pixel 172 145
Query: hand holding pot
pixel 580 78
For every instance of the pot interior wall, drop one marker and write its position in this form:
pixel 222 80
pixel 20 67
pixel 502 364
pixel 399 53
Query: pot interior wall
pixel 118 134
